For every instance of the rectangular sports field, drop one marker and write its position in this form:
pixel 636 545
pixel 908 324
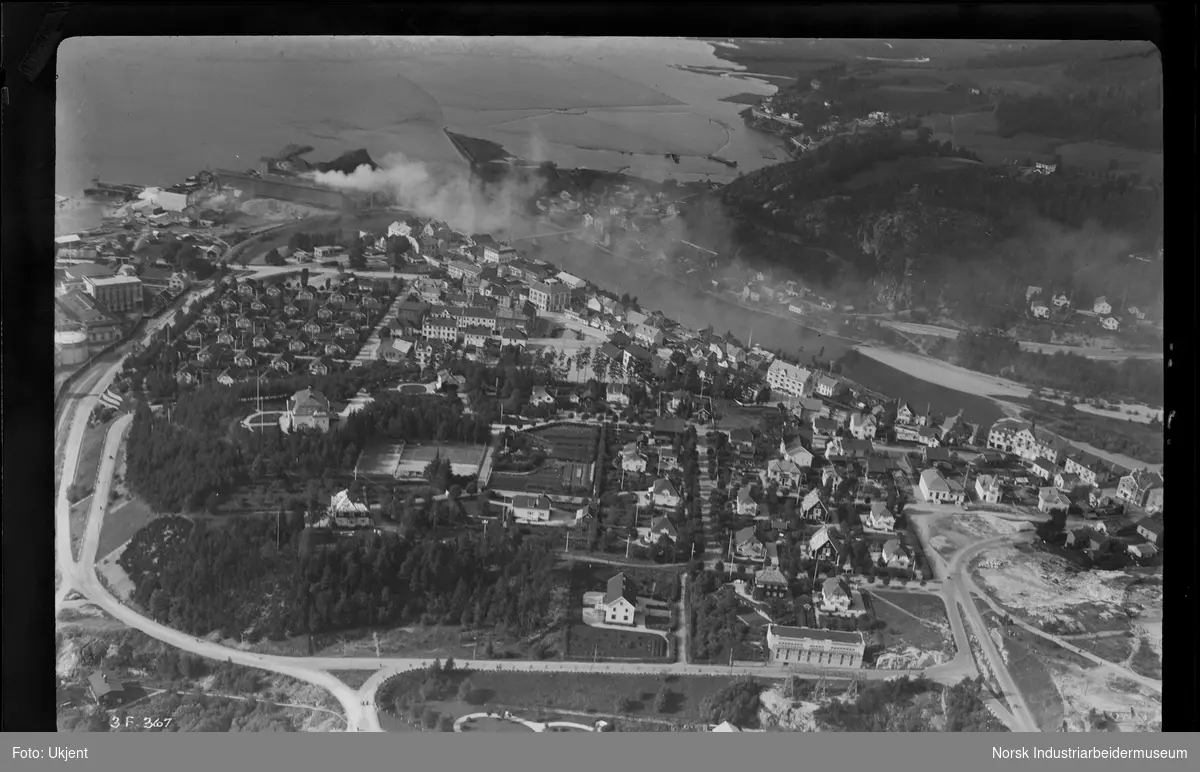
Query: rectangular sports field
pixel 414 457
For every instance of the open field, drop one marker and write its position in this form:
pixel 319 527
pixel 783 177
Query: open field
pixel 1033 679
pixel 121 524
pixel 1086 689
pixel 1095 157
pixel 578 697
pixel 380 457
pixel 78 519
pixel 586 642
pixel 553 476
pixel 948 533
pixel 89 455
pixel 976 131
pixel 414 457
pixel 919 638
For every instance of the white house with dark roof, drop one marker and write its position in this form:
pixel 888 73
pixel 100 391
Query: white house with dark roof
pixel 784 472
pixel 796 453
pixel 772 582
pixel 531 509
pixel 863 426
pixel 308 409
pixel 1101 306
pixel 618 603
pixel 787 378
pixel 748 546
pixel 662 494
pixel 813 506
pixel 880 518
pixel 834 598
pixel 633 461
pixel 1052 500
pixel 828 386
pixel 894 554
pixel 660 527
pixel 746 505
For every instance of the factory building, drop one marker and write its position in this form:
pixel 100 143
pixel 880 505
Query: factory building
pixel 285 188
pixel 116 293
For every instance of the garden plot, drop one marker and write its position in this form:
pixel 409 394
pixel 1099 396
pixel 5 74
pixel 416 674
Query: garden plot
pixel 1046 590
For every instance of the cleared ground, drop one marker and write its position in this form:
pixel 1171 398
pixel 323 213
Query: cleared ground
pixel 121 523
pixel 917 632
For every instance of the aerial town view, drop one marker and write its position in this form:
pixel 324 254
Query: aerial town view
pixel 609 385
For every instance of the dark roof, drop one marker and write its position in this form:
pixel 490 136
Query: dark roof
pixel 670 425
pixel 104 683
pixel 618 587
pixel 817 635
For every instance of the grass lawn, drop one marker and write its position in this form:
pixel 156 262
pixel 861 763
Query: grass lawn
pixel 586 642
pixel 1145 662
pixel 928 635
pixel 121 524
pixel 1114 648
pixel 78 518
pixel 352 678
pixel 89 455
pixel 578 697
pixel 1033 679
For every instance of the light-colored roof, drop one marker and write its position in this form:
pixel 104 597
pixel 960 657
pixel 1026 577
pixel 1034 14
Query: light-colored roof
pixel 531 502
pixel 934 481
pixel 342 504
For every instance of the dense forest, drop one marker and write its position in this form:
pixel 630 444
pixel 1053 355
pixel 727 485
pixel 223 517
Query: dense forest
pixel 1136 380
pixel 234 580
pixel 1109 114
pixel 934 230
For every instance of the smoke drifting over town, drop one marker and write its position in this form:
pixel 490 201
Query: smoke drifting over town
pixel 441 193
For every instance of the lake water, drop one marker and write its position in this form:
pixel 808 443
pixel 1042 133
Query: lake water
pixel 155 110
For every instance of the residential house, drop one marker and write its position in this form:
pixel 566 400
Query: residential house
pixel 106 689
pixel 987 488
pixel 1061 300
pixel 747 545
pixel 659 527
pixel 440 328
pixel 1151 530
pixel 616 394
pixel 318 367
pixel 834 598
pixel 772 582
pixel 822 545
pixel 1101 306
pixel 813 506
pixel 742 439
pixel 1091 469
pixel 663 494
pixel 805 645
pixel 531 509
pixel 1066 481
pixel 787 378
pixel 938 490
pixel 1141 488
pixel 1110 323
pixel 880 518
pixel 907 416
pixel 895 555
pixel 539 397
pixel 618 602
pixel 784 472
pixel 1044 468
pixel 345 512
pixel 1052 500
pixel 799 455
pixel 678 398
pixel 668 429
pixel 668 459
pixel 933 456
pixel 1039 310
pixel 863 426
pixel 1025 440
pixel 648 336
pixel 476 336
pixel 807 408
pixel 308 409
pixel 633 461
pixel 394 349
pixel 745 503
pixel 828 386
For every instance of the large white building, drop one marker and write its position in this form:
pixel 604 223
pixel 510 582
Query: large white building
pixel 549 296
pixel 787 378
pixel 1023 439
pixel 938 490
pixel 807 645
pixel 116 293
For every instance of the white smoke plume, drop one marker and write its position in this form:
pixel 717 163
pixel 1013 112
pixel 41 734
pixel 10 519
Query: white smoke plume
pixel 446 194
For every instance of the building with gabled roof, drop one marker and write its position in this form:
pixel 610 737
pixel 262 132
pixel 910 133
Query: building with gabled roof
pixel 308 409
pixel 619 602
pixel 531 509
pixel 772 582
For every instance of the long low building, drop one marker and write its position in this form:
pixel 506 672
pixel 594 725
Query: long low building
pixel 807 645
pixel 285 189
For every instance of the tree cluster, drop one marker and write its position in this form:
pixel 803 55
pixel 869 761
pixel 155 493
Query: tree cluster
pixel 235 580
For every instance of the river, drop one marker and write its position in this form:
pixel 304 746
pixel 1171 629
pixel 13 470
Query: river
pixel 697 309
